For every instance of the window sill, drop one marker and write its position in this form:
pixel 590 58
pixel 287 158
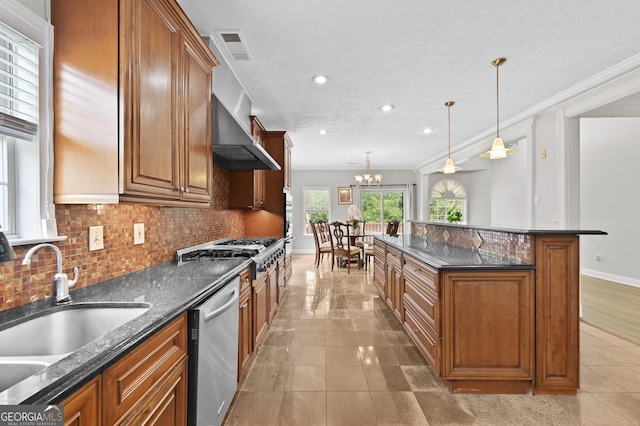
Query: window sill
pixel 27 241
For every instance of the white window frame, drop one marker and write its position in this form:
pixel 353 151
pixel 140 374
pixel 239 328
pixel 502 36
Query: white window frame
pixel 448 197
pixel 34 191
pixel 304 193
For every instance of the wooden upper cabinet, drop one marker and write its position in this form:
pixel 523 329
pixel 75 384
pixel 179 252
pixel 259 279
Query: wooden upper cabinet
pixel 198 162
pixel 149 138
pixel 248 186
pixel 151 131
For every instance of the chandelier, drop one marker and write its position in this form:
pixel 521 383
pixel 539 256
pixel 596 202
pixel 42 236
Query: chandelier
pixel 368 178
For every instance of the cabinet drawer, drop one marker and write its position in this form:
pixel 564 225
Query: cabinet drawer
pixel 422 274
pixel 426 308
pixel 135 375
pixel 378 248
pixel 424 337
pixel 394 258
pixel 245 280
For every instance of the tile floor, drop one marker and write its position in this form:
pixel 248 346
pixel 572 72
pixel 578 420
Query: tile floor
pixel 334 354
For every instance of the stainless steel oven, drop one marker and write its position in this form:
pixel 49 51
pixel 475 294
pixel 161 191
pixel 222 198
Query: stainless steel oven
pixel 288 221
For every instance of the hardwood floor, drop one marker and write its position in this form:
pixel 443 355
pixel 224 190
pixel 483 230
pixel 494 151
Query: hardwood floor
pixel 336 355
pixel 611 306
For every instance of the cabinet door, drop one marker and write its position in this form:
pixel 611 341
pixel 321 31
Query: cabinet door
pixel 150 54
pixel 168 405
pixel 260 308
pixel 272 281
pixel 84 408
pixel 130 382
pixel 198 163
pixel 258 188
pixel 488 328
pixel 245 326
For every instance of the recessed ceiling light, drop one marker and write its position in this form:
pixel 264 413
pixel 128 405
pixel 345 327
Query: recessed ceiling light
pixel 323 132
pixel 427 130
pixel 320 79
pixel 387 108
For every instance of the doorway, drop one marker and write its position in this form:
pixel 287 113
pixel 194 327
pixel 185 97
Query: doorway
pixel 380 205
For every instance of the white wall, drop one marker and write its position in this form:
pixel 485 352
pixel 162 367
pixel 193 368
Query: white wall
pixel 609 201
pixel 479 198
pixel 332 179
pixel 508 195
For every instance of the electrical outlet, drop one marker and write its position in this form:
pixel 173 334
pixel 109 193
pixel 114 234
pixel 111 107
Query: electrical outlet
pixel 138 233
pixel 543 154
pixel 555 218
pixel 96 238
pixel 536 199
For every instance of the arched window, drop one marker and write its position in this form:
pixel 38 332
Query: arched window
pixel 447 195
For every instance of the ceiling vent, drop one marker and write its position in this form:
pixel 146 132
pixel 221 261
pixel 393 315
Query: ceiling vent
pixel 235 44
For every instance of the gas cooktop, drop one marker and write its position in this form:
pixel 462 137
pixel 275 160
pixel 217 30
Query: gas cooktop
pixel 257 249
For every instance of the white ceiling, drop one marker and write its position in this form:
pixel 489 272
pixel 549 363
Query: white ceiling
pixel 415 54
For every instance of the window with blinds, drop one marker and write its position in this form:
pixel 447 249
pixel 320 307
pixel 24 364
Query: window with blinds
pixel 18 113
pixel 18 85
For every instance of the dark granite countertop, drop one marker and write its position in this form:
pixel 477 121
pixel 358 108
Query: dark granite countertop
pixel 170 289
pixel 444 256
pixel 540 231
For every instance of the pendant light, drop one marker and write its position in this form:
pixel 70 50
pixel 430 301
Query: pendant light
pixel 368 178
pixel 498 150
pixel 449 167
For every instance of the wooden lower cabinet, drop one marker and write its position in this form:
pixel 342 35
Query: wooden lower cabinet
pixel 131 383
pixel 147 386
pixel 84 408
pixel 474 327
pixel 557 291
pixel 379 266
pixel 260 308
pixel 168 403
pixel 488 332
pixel 272 281
pixel 394 285
pixel 245 326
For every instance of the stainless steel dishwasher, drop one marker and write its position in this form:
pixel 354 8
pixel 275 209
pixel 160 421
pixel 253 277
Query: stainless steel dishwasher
pixel 213 356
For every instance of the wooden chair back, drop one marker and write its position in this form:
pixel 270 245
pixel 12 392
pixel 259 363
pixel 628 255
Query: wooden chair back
pixel 392 227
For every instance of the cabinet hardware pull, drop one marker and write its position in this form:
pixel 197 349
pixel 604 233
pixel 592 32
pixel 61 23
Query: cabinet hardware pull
pixel 415 330
pixel 244 305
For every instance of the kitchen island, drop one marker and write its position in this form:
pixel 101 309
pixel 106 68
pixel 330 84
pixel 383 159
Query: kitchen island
pixel 492 310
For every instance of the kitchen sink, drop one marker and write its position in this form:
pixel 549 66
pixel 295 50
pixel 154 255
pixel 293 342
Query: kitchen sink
pixel 14 371
pixel 65 329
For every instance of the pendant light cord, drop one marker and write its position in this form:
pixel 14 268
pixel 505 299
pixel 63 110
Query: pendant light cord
pixel 449 125
pixel 497 102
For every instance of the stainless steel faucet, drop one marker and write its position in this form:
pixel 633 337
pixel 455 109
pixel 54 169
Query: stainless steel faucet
pixel 61 283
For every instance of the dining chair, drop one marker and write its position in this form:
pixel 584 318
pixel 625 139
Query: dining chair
pixel 392 227
pixel 322 248
pixel 342 245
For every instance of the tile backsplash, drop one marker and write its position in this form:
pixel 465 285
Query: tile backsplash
pixel 491 243
pixel 166 230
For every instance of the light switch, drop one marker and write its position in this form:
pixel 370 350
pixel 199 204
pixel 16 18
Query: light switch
pixel 96 238
pixel 138 233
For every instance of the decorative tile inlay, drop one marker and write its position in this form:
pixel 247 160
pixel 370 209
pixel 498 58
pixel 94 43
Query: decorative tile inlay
pixel 446 250
pixel 477 240
pixel 446 235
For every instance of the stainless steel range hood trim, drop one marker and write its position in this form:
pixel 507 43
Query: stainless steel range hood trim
pixel 233 146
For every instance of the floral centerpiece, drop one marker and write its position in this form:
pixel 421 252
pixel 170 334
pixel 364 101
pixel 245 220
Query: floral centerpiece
pixel 354 218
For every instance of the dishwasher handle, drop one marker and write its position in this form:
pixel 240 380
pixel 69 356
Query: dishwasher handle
pixel 211 315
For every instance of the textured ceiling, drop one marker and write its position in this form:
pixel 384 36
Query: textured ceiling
pixel 416 55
